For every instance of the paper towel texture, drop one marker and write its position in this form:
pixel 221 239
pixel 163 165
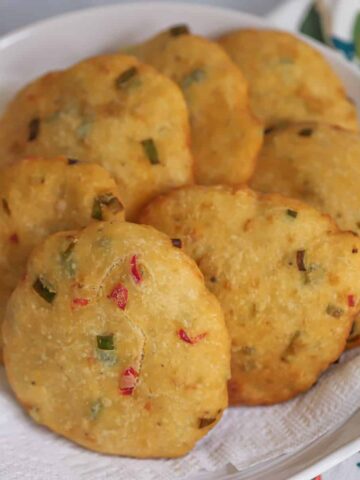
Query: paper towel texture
pixel 245 436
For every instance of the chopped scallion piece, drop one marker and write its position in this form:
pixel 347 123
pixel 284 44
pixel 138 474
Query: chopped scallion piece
pixel 124 77
pixel 334 311
pixel 115 205
pixel 43 288
pixel 5 206
pixel 34 128
pixel 291 213
pixel 291 348
pixel 179 30
pixel 105 342
pixel 107 199
pixel 67 259
pixel 305 132
pixel 96 211
pixel 72 161
pixel 112 202
pixel 150 150
pixel 269 130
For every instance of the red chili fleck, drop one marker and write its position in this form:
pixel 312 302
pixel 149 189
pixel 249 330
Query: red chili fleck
pixel 127 391
pixel 82 302
pixel 319 477
pixel 119 295
pixel 135 269
pixel 185 337
pixel 14 238
pixel 128 381
pixel 130 372
pixel 351 300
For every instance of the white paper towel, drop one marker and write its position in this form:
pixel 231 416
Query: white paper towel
pixel 244 437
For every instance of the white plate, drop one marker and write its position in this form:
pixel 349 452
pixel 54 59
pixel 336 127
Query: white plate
pixel 61 41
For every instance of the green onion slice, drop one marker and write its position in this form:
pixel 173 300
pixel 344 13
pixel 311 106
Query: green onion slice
pixel 5 206
pixel 305 132
pixel 105 342
pixel 112 202
pixel 67 259
pixel 124 77
pixel 291 213
pixel 96 211
pixel 334 311
pixel 34 128
pixel 44 288
pixel 179 30
pixel 150 150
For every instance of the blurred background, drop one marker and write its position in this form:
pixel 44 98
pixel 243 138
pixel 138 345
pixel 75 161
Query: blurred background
pixel 335 22
pixel 17 13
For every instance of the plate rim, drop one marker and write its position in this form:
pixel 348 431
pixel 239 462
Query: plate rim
pixel 17 34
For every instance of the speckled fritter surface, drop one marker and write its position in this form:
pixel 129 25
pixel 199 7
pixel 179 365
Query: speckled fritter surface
pixel 113 341
pixel 39 197
pixel 226 136
pixel 287 279
pixel 288 79
pixel 318 164
pixel 111 110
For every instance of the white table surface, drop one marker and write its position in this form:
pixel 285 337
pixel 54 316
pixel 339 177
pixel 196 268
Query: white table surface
pixel 15 14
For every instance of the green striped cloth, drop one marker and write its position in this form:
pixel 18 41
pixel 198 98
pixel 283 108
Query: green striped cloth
pixel 334 22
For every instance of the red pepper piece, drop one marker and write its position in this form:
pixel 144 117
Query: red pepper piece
pixel 130 372
pixel 82 302
pixel 135 269
pixel 128 381
pixel 185 337
pixel 119 294
pixel 14 239
pixel 351 300
pixel 127 391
